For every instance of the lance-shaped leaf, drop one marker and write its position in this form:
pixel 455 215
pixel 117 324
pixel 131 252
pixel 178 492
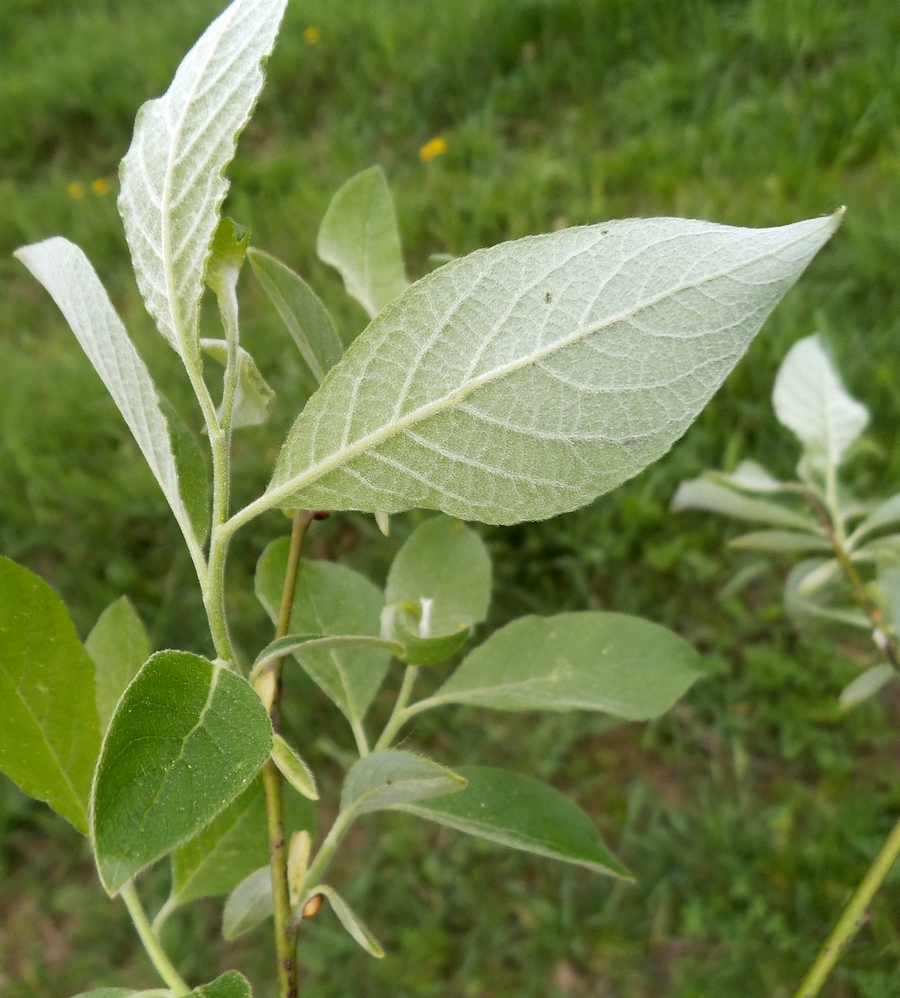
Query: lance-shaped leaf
pixel 705 493
pixel 119 646
pixel 166 444
pixel 294 769
pixel 810 591
pixel 173 176
pixel 780 540
pixel 186 739
pixel 866 685
pixel 248 904
pixel 230 985
pixel 385 779
pixel 329 600
pixel 49 732
pixel 359 237
pixel 753 477
pixel 301 311
pixel 611 662
pixel 357 928
pixel 524 380
pixel 883 515
pixel 126 993
pixel 252 396
pixel 521 813
pixel 810 400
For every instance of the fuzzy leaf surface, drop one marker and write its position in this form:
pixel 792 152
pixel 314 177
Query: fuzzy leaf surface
pixel 230 985
pixel 187 738
pixel 252 396
pixel 525 380
pixel 172 177
pixel 119 646
pixel 49 731
pixel 385 779
pixel 521 813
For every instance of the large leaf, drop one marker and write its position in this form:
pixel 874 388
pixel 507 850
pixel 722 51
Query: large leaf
pixel 232 846
pixel 359 237
pixel 386 779
pixel 810 400
pixel 186 739
pixel 329 600
pixel 169 449
pixel 301 311
pixel 49 732
pixel 230 985
pixel 622 665
pixel 704 493
pixel 445 566
pixel 119 646
pixel 521 813
pixel 524 380
pixel 173 176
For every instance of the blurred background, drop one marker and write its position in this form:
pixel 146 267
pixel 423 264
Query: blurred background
pixel 751 811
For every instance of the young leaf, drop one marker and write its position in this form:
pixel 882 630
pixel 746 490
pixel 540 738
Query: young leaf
pixel 888 568
pixel 290 644
pixel 232 846
pixel 349 919
pixel 780 540
pixel 49 732
pixel 521 813
pixel 301 311
pixel 126 993
pixel 704 493
pixel 866 685
pixel 524 380
pixel 294 769
pixel 611 662
pixel 385 779
pixel 446 563
pixel 252 396
pixel 329 600
pixel 359 237
pixel 226 257
pixel 167 445
pixel 119 646
pixel 229 985
pixel 186 739
pixel 753 477
pixel 884 515
pixel 810 400
pixel 173 175
pixel 809 592
pixel 407 627
pixel 248 904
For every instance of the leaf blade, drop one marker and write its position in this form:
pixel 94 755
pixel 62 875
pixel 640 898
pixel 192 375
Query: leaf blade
pixel 386 778
pixel 119 646
pixel 248 904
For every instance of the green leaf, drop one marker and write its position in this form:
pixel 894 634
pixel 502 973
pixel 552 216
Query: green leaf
pixel 248 904
pixel 359 237
pixel 49 732
pixel 119 646
pixel 329 600
pixel 349 919
pixel 385 779
pixel 294 769
pixel 780 540
pixel 226 256
pixel 611 662
pixel 173 175
pixel 888 575
pixel 107 993
pixel 704 493
pixel 521 813
pixel 883 515
pixel 229 985
pixel 166 444
pixel 866 685
pixel 232 846
pixel 810 400
pixel 753 477
pixel 301 311
pixel 447 564
pixel 186 739
pixel 252 396
pixel 810 592
pixel 525 380
pixel 292 643
pixel 406 621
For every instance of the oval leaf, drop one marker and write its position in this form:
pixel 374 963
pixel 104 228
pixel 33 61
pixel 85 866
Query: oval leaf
pixel 359 237
pixel 186 739
pixel 385 779
pixel 49 731
pixel 248 904
pixel 524 380
pixel 294 769
pixel 621 665
pixel 229 985
pixel 350 920
pixel 521 813
pixel 119 646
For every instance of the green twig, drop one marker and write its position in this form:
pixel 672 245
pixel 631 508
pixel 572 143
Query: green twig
pixel 151 942
pixel 400 714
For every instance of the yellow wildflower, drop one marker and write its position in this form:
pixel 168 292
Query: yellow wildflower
pixel 432 149
pixel 100 186
pixel 311 35
pixel 75 190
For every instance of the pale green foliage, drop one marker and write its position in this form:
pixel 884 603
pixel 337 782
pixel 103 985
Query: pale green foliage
pixel 119 646
pixel 248 904
pixel 252 396
pixel 386 779
pixel 350 920
pixel 294 769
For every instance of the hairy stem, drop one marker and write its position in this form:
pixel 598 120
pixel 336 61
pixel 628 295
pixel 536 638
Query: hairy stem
pixel 285 928
pixel 399 714
pixel 151 942
pixel 853 918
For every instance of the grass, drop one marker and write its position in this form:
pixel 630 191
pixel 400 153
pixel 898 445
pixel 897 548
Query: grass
pixel 750 812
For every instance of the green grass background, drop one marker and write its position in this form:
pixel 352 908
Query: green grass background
pixel 750 812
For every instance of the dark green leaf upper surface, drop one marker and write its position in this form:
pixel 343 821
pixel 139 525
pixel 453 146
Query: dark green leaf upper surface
pixel 119 646
pixel 186 739
pixel 611 662
pixel 521 813
pixel 49 730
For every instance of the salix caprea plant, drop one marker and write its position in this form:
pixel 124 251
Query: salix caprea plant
pixel 513 384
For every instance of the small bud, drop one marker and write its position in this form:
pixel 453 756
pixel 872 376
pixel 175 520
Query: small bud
pixel 384 523
pixel 313 905
pixel 298 862
pixel 265 687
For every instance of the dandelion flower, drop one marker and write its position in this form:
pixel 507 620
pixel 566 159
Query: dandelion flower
pixel 75 190
pixel 100 186
pixel 432 149
pixel 311 35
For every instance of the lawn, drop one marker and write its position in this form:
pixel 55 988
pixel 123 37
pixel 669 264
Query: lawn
pixel 750 812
